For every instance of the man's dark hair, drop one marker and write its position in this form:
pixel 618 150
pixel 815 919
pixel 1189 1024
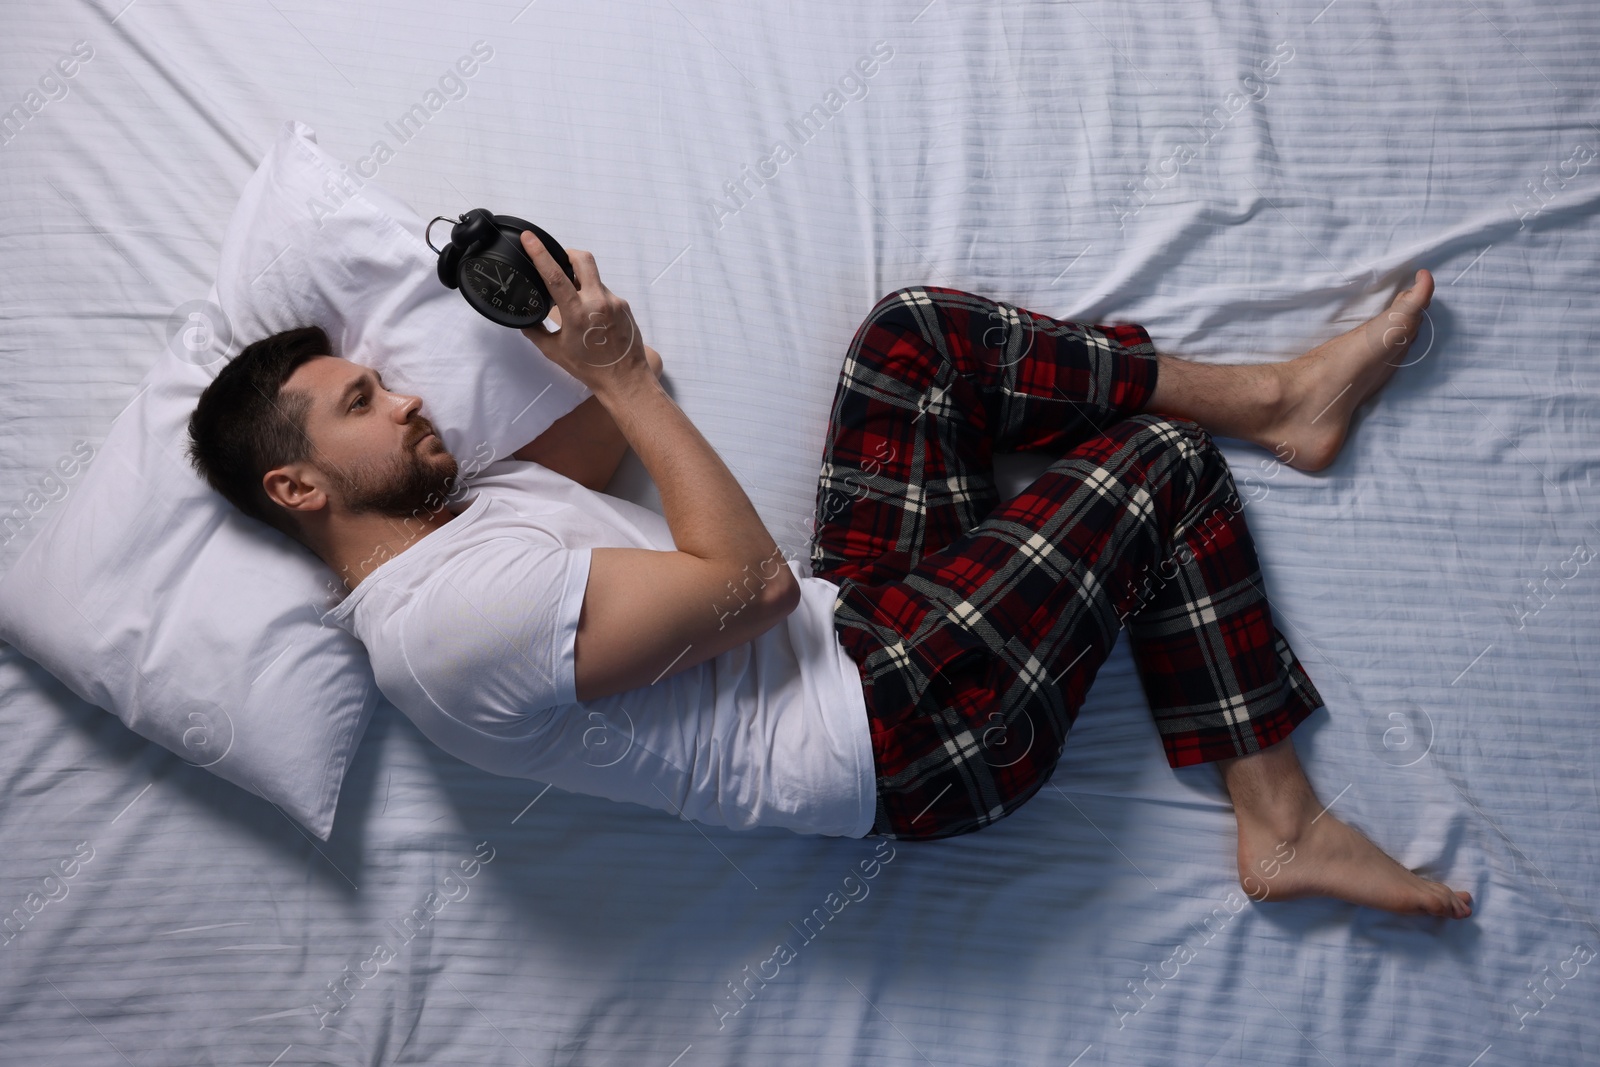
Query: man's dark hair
pixel 246 425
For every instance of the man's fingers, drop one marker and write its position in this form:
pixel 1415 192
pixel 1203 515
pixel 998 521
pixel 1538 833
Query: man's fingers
pixel 584 267
pixel 555 279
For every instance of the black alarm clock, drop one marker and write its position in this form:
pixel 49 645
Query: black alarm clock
pixel 485 260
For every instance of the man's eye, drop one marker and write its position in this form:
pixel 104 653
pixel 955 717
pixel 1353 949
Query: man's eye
pixel 361 398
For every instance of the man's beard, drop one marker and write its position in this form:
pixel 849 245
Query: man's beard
pixel 401 485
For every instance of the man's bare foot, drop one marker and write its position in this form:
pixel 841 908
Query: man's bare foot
pixel 1291 846
pixel 1327 858
pixel 1323 388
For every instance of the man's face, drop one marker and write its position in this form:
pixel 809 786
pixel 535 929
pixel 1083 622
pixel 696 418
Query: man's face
pixel 378 452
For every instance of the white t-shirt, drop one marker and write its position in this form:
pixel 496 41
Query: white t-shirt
pixel 471 631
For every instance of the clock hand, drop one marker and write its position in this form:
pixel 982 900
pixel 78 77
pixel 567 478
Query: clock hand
pixel 503 282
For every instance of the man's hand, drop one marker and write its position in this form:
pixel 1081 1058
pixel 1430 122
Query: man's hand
pixel 599 342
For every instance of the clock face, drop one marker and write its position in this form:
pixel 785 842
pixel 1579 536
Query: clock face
pixel 502 291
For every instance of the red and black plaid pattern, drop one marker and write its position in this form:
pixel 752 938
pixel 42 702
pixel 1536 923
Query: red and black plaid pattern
pixel 978 628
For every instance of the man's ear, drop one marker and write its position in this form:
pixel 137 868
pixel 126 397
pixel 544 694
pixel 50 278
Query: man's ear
pixel 297 486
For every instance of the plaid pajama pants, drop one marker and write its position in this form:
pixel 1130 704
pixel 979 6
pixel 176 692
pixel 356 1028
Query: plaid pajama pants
pixel 978 628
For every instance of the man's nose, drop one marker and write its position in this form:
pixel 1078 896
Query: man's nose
pixel 405 407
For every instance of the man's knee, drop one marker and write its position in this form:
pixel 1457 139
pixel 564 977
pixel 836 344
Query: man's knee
pixel 1189 439
pixel 1181 445
pixel 908 313
pixel 900 304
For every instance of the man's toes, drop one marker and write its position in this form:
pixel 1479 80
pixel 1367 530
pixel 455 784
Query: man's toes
pixel 1412 301
pixel 1431 900
pixel 1446 903
pixel 1400 324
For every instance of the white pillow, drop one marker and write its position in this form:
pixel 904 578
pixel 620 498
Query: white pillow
pixel 152 597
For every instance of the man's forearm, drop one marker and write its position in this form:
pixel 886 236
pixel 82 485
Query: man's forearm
pixel 584 444
pixel 706 508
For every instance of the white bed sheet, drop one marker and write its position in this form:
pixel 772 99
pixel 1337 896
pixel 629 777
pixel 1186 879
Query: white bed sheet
pixel 995 151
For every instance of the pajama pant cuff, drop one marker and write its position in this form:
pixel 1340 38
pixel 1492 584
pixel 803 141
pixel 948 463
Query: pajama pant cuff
pixel 1259 729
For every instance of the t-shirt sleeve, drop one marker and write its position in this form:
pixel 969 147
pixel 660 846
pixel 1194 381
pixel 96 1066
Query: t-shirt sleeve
pixel 490 639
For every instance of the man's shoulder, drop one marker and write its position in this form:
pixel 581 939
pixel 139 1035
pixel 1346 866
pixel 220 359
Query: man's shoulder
pixel 479 614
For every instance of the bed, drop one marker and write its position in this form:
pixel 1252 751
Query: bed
pixel 1244 180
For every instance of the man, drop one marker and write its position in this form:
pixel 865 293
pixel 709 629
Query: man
pixel 921 681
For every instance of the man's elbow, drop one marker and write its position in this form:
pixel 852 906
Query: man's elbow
pixel 783 593
pixel 764 601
